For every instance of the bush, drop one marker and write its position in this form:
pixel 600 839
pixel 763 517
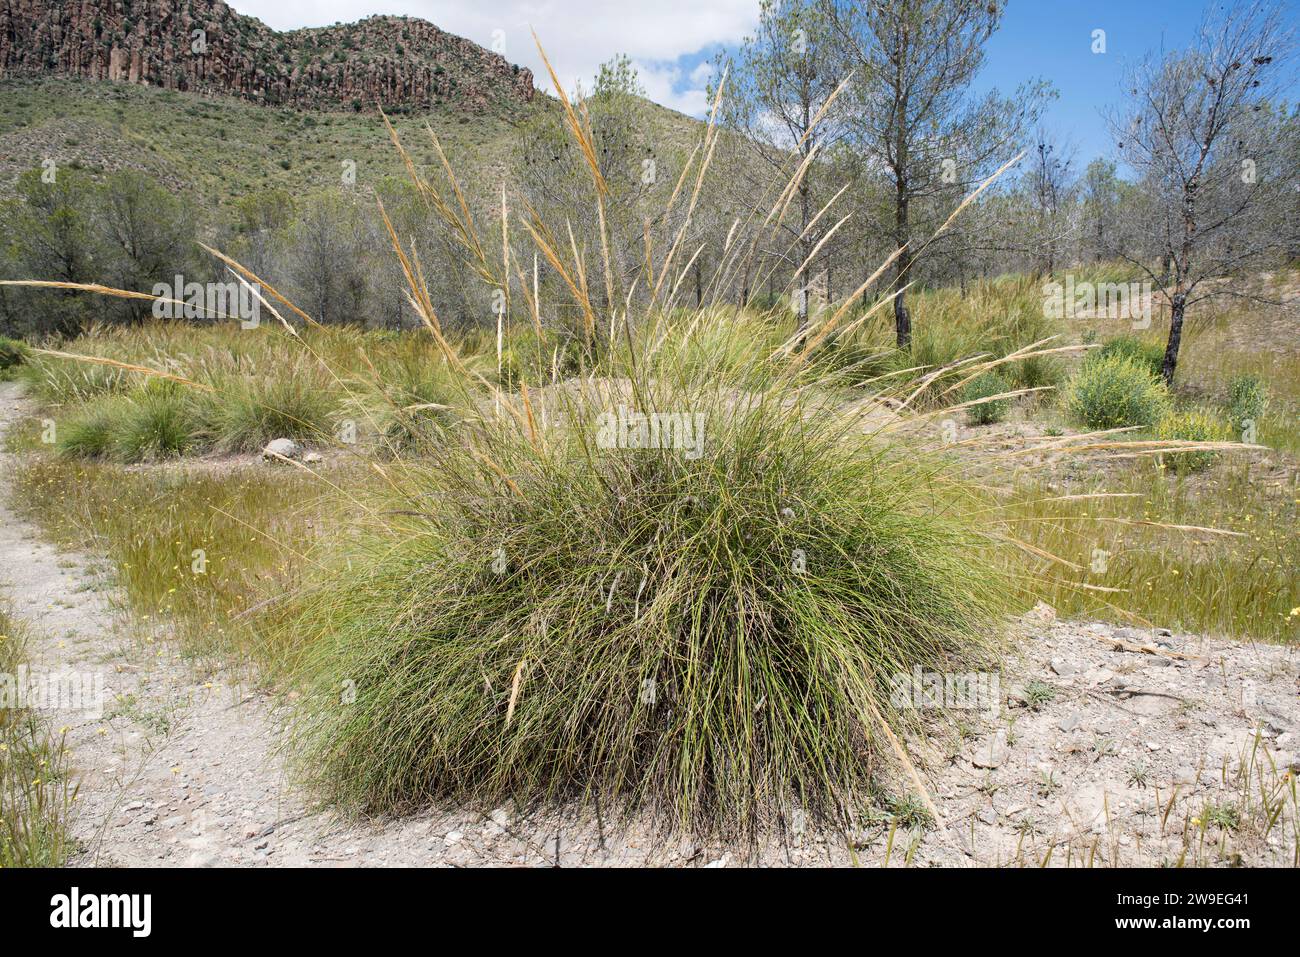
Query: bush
pixel 1194 426
pixel 981 387
pixel 712 638
pixel 1114 392
pixel 1147 355
pixel 1247 400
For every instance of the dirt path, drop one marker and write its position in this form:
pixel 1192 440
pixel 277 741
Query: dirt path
pixel 1109 746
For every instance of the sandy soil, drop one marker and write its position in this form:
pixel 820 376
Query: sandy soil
pixel 1129 756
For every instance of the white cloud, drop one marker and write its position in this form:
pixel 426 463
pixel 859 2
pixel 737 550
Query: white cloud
pixel 659 80
pixel 578 35
pixel 701 74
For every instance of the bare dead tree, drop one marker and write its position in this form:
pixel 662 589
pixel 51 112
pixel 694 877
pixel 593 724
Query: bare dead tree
pixel 1200 129
pixel 1051 185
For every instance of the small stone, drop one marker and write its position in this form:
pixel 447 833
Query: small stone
pixel 281 448
pixel 1070 721
pixel 454 837
pixel 1064 668
pixel 313 458
pixel 993 753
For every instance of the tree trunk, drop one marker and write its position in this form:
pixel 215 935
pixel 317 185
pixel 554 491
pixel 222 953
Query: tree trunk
pixel 1170 364
pixel 902 318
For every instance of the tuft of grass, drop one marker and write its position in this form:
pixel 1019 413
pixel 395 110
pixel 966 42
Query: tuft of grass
pixel 152 423
pixel 36 787
pixel 709 637
pixel 88 434
pixel 13 354
pixel 1247 400
pixel 983 386
pixel 1196 425
pixel 1039 693
pixel 248 411
pixel 1115 392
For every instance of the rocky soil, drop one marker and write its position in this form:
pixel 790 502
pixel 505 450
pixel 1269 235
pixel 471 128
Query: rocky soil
pixel 1107 746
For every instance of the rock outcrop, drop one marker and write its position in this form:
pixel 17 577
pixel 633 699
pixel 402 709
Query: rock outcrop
pixel 204 46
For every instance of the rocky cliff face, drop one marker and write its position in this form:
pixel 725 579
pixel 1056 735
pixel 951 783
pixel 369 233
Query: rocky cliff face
pixel 204 46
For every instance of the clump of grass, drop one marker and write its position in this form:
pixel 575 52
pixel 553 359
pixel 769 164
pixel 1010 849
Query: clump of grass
pixel 983 386
pixel 1197 425
pixel 710 638
pixel 1226 817
pixel 57 381
pixel 13 354
pixel 154 422
pixel 1039 693
pixel 88 434
pixel 36 790
pixel 1147 355
pixel 1115 392
pixel 1247 400
pixel 245 412
pixel 415 401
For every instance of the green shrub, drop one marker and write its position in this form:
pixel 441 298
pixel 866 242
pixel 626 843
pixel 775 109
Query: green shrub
pixel 712 638
pixel 1197 425
pixel 981 387
pixel 1247 400
pixel 1148 355
pixel 1114 392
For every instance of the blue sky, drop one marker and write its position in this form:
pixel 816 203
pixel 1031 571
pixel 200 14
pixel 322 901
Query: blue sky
pixel 673 41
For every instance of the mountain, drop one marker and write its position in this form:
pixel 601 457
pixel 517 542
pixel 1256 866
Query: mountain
pixel 204 46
